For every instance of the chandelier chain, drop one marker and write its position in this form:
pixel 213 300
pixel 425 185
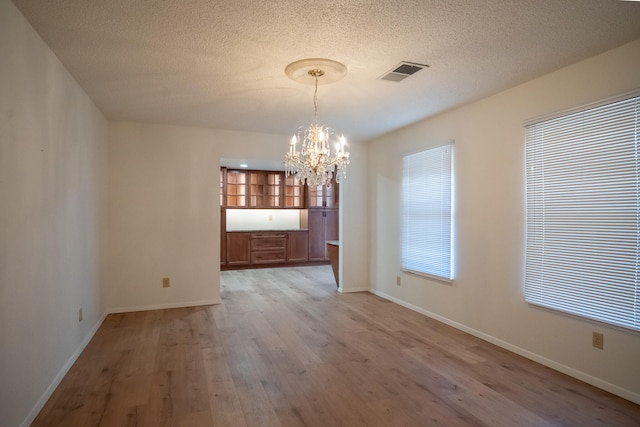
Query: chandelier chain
pixel 315 101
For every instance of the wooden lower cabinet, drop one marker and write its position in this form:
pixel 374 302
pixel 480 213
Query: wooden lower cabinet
pixel 238 248
pixel 261 248
pixel 223 236
pixel 244 249
pixel 298 246
pixel 323 226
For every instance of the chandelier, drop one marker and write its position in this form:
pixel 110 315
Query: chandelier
pixel 322 156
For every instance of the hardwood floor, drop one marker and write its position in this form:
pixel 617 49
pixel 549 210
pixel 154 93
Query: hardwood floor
pixel 285 349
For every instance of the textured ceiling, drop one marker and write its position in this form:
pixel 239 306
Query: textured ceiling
pixel 220 64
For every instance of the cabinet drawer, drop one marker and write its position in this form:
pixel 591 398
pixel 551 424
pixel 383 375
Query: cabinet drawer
pixel 267 257
pixel 268 235
pixel 266 244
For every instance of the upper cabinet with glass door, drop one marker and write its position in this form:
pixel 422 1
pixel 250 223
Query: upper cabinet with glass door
pixel 323 196
pixel 222 185
pixel 264 189
pixel 293 192
pixel 236 188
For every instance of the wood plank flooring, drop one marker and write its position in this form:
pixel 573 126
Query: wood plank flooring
pixel 285 349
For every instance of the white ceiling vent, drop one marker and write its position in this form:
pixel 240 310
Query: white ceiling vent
pixel 402 71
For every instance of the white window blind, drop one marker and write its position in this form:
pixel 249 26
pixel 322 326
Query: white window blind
pixel 583 213
pixel 426 212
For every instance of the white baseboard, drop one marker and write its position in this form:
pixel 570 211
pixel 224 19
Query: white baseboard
pixel 349 290
pixel 582 376
pixel 163 306
pixel 58 378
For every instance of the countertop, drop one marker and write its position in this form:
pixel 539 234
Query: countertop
pixel 267 231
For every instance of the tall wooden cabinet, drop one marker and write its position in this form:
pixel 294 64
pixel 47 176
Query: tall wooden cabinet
pixel 323 226
pixel 323 219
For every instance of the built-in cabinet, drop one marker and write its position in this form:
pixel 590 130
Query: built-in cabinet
pixel 261 190
pixel 323 226
pixel 272 190
pixel 248 249
pixel 248 189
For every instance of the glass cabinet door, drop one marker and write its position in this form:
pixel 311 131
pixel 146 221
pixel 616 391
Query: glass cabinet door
pixel 294 192
pixel 236 188
pixel 266 189
pixel 274 189
pixel 322 196
pixel 257 189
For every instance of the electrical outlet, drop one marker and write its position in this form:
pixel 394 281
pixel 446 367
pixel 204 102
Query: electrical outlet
pixel 397 280
pixel 597 340
pixel 80 315
pixel 166 282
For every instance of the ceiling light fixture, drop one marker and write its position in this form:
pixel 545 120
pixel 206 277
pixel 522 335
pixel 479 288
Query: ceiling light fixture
pixel 322 155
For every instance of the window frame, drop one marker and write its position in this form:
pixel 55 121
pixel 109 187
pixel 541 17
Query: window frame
pixel 407 264
pixel 580 303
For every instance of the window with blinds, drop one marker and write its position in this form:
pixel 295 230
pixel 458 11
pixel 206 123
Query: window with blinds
pixel 583 213
pixel 427 183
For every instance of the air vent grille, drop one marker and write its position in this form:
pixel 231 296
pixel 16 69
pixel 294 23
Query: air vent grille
pixel 402 71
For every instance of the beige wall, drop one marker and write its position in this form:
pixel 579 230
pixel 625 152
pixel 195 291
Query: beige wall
pixel 354 222
pixel 487 295
pixel 164 211
pixel 52 168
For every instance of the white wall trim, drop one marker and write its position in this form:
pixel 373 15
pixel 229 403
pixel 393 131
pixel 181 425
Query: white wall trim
pixel 164 306
pixel 349 290
pixel 63 371
pixel 597 382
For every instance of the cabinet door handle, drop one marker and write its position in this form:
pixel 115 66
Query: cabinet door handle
pixel 324 214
